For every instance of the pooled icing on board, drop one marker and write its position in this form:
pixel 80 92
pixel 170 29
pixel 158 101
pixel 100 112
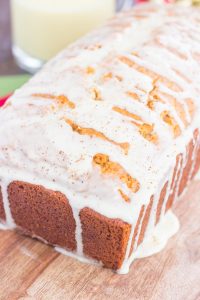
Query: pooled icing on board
pixel 156 242
pixel 197 177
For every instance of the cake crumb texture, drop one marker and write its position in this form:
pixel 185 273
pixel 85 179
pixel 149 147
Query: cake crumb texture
pixel 104 239
pixel 42 213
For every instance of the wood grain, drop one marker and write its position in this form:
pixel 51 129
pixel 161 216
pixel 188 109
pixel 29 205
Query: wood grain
pixel 32 270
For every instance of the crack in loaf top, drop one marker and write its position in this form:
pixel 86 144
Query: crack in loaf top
pixel 111 105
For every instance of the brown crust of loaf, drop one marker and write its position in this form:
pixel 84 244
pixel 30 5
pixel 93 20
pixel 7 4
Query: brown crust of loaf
pixel 192 155
pixel 197 165
pixel 197 159
pixel 44 213
pixel 160 202
pixel 104 239
pixel 186 172
pixel 41 212
pixel 182 183
pixel 145 221
pixel 2 212
pixel 179 160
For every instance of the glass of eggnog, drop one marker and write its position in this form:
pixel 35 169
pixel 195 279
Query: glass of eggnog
pixel 41 28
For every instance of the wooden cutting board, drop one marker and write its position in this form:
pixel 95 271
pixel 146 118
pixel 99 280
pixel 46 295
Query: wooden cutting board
pixel 32 270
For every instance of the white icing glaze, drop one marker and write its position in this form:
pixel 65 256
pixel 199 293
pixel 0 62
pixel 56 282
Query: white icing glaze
pixel 3 227
pixel 166 228
pixel 4 183
pixel 39 147
pixel 82 259
pixel 197 177
pixel 78 233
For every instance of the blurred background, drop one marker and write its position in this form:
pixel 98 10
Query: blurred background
pixel 7 64
pixel 33 31
pixel 29 37
pixel 41 28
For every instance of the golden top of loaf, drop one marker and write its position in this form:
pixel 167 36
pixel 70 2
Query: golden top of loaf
pixel 106 117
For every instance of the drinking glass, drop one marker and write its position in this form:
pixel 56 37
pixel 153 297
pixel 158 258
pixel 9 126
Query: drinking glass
pixel 41 28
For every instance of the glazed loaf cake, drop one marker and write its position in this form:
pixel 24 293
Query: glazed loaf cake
pixel 96 148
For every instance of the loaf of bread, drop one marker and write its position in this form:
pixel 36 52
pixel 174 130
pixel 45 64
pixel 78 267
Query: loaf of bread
pixel 97 147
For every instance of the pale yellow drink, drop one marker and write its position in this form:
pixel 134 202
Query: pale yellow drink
pixel 41 28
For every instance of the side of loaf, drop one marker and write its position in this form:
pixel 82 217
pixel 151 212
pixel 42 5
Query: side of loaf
pixel 98 146
pixel 104 239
